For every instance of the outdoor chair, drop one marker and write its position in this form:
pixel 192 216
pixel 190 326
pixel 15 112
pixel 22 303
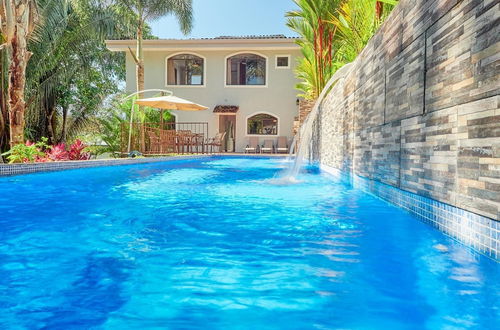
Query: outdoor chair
pixel 168 141
pixel 215 141
pixel 268 146
pixel 282 145
pixel 184 140
pixel 198 141
pixel 253 145
pixel 154 147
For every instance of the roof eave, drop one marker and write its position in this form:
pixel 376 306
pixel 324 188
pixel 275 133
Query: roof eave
pixel 205 44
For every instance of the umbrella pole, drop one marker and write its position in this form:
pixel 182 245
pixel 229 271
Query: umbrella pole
pixel 130 128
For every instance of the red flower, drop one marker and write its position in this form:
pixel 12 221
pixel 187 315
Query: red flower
pixel 57 153
pixel 76 151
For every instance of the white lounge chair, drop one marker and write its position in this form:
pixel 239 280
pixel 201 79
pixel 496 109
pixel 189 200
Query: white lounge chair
pixel 268 146
pixel 282 145
pixel 253 145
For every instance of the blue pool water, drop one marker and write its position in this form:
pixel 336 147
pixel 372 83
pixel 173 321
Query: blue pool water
pixel 212 244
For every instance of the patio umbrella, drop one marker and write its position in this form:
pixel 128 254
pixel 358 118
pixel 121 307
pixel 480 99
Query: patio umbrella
pixel 170 102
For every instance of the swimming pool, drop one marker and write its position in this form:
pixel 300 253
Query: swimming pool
pixel 213 244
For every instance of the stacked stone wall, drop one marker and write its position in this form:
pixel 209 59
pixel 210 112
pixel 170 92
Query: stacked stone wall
pixel 420 108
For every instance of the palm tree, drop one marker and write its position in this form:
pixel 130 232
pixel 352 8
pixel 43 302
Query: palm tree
pixel 145 11
pixel 356 21
pixel 17 22
pixel 311 23
pixel 333 32
pixel 4 115
pixel 68 48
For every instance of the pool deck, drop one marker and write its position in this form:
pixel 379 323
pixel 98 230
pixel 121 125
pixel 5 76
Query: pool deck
pixel 25 168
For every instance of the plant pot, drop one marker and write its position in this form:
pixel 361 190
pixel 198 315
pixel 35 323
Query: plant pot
pixel 230 144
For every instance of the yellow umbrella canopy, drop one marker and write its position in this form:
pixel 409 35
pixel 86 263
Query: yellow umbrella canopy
pixel 170 103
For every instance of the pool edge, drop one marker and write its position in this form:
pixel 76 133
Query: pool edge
pixel 478 232
pixel 29 168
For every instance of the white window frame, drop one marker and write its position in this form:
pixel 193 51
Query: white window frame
pixel 263 135
pixel 187 86
pixel 282 67
pixel 246 86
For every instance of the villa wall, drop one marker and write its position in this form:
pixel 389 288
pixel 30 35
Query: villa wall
pixel 278 98
pixel 420 109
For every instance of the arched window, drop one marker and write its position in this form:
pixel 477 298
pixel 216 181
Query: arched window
pixel 262 124
pixel 246 69
pixel 185 69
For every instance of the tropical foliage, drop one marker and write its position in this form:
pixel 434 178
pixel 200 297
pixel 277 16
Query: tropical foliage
pixel 66 74
pixel 41 152
pixel 25 153
pixel 64 58
pixel 70 71
pixel 311 23
pixel 332 32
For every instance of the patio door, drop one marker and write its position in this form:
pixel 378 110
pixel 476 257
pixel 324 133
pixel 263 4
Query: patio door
pixel 227 124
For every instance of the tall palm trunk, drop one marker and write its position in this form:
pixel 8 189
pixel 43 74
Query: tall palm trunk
pixel 140 60
pixel 51 125
pixel 17 83
pixel 62 138
pixel 379 9
pixel 18 18
pixel 140 75
pixel 4 116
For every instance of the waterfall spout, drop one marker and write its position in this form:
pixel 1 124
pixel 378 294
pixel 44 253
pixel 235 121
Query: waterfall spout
pixel 304 137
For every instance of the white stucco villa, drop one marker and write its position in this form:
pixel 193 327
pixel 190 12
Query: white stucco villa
pixel 248 81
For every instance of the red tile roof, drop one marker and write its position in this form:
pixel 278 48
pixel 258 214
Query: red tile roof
pixel 226 109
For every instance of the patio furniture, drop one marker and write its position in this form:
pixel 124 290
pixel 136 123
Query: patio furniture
pixel 253 145
pixel 168 141
pixel 268 146
pixel 169 102
pixel 192 141
pixel 154 147
pixel 198 142
pixel 215 141
pixel 184 140
pixel 282 145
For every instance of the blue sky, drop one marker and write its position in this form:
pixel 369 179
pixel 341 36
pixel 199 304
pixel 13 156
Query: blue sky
pixel 214 18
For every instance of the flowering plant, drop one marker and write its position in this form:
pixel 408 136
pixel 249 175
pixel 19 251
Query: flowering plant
pixel 41 152
pixel 77 151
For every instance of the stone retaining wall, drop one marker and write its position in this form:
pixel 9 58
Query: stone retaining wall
pixel 420 109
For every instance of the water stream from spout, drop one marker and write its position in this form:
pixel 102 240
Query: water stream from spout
pixel 302 141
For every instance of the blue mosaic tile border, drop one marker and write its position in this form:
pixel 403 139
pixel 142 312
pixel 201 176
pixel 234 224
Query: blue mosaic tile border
pixel 17 169
pixel 480 233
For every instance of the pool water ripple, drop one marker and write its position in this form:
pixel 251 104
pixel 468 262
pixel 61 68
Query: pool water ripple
pixel 214 244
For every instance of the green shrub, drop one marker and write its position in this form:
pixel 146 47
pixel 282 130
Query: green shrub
pixel 26 153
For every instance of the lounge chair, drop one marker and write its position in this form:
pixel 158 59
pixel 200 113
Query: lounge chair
pixel 282 145
pixel 253 145
pixel 268 146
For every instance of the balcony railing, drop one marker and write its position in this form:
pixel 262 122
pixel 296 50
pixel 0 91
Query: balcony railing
pixel 178 138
